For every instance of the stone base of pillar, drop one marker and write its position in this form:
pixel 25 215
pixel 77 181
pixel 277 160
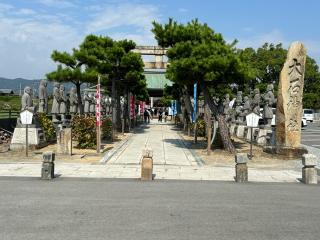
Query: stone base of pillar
pixel 286 152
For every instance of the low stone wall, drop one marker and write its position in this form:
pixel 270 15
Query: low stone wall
pixel 260 136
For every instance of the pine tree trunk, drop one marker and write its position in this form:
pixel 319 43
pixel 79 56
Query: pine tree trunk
pixel 80 107
pixel 187 103
pixel 223 127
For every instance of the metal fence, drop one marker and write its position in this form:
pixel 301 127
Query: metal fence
pixel 8 114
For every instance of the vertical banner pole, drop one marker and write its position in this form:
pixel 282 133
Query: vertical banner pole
pixel 27 144
pixel 98 116
pixel 195 111
pixel 250 157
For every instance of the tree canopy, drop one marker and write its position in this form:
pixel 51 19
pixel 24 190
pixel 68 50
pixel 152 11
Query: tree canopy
pixel 198 54
pixel 115 60
pixel 268 60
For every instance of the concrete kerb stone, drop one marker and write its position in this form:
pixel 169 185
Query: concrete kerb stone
pixel 241 168
pixel 120 147
pixel 309 172
pixel 147 165
pixel 309 160
pixel 198 159
pixel 47 170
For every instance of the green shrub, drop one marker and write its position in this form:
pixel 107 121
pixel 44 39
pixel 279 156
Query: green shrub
pixel 106 128
pixel 201 124
pixel 84 131
pixel 47 126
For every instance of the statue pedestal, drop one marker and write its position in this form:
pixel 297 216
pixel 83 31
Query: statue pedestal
pixel 286 152
pixel 266 137
pixel 36 138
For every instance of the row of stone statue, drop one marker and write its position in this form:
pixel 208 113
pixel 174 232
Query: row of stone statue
pixel 62 103
pixel 245 105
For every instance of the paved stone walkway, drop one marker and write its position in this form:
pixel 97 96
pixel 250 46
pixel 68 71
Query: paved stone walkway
pixel 167 146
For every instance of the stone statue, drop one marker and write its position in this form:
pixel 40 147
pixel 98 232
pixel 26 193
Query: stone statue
pixel 63 101
pixel 268 100
pixel 226 106
pixel 92 108
pixel 86 100
pixel 43 97
pixel 55 110
pixel 107 103
pixel 26 100
pixel 255 103
pixel 246 106
pixel 238 109
pixel 122 104
pixel 73 99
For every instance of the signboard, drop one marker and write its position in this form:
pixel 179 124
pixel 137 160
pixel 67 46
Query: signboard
pixel 26 117
pixel 231 103
pixel 98 106
pixel 252 120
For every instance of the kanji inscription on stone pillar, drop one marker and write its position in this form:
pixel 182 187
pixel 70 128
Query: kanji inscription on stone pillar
pixel 290 92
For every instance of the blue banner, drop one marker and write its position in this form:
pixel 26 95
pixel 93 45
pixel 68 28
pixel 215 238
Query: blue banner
pixel 174 107
pixel 194 115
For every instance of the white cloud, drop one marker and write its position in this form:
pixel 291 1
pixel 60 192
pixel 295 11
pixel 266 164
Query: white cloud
pixel 5 7
pixel 57 3
pixel 28 36
pixel 129 15
pixel 183 10
pixel 26 45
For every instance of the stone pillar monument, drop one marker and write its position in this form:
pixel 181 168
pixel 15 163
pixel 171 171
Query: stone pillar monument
pixel 289 106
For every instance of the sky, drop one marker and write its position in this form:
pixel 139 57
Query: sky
pixel 31 29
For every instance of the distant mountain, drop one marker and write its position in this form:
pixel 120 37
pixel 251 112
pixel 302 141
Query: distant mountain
pixel 20 83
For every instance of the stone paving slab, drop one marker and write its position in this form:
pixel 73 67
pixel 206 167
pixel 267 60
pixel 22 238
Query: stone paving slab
pixel 167 146
pixel 160 171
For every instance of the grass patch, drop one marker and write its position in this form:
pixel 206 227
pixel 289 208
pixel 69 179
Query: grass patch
pixel 10 102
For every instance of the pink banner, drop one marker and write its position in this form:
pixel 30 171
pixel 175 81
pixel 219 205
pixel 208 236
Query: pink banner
pixel 142 107
pixel 98 107
pixel 132 106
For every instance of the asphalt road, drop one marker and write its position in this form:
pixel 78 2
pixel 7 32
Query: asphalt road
pixel 127 209
pixel 310 135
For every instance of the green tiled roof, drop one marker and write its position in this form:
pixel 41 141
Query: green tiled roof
pixel 157 80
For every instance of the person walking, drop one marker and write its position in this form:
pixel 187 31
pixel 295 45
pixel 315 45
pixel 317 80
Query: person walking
pixel 145 116
pixel 160 115
pixel 165 114
pixel 149 115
